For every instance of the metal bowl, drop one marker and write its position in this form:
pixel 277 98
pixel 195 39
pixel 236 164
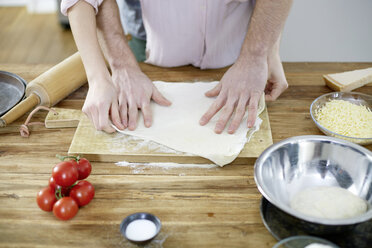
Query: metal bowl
pixel 294 164
pixel 282 225
pixel 12 91
pixel 140 216
pixel 353 97
pixel 303 241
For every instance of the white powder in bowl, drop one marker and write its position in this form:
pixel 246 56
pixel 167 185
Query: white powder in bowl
pixel 140 230
pixel 328 203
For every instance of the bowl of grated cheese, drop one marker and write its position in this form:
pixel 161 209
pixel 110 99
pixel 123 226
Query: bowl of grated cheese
pixel 345 115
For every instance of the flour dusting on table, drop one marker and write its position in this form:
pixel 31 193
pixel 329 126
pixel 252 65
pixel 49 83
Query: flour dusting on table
pixel 140 167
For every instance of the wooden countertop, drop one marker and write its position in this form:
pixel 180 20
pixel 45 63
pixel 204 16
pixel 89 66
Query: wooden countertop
pixel 198 207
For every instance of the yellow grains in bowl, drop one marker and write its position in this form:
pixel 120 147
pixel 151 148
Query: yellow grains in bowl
pixel 346 118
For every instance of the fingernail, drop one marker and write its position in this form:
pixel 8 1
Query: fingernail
pixel 218 130
pixel 203 121
pixel 147 124
pixel 125 124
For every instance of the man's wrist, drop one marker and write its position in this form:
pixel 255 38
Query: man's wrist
pixel 125 68
pixel 248 59
pixel 121 64
pixel 254 48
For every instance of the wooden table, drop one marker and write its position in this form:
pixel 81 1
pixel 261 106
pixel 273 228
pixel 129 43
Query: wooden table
pixel 198 207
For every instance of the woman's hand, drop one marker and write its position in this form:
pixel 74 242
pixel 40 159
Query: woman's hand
pixel 135 91
pixel 241 86
pixel 101 105
pixel 117 100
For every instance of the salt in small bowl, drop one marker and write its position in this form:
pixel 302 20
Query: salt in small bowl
pixel 140 216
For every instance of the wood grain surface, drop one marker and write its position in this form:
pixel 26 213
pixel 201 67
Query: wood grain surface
pixel 198 207
pixel 32 38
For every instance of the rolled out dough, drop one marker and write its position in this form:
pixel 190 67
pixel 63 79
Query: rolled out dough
pixel 177 126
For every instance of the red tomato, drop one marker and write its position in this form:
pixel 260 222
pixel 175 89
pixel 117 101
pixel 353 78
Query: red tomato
pixel 52 183
pixel 65 208
pixel 73 162
pixel 82 193
pixel 46 199
pixel 84 168
pixel 65 174
pixel 65 191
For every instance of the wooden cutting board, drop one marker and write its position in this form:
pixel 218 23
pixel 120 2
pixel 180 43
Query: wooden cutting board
pixel 100 146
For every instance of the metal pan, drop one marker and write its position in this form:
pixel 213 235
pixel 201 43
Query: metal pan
pixel 12 91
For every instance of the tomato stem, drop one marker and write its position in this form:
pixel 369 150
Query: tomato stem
pixel 58 193
pixel 62 158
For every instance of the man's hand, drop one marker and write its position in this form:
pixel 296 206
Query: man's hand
pixel 245 81
pixel 241 86
pixel 135 91
pixel 276 82
pixel 101 102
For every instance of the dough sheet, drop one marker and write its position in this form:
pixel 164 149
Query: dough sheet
pixel 177 126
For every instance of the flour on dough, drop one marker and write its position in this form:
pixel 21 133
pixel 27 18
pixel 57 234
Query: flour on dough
pixel 328 203
pixel 177 126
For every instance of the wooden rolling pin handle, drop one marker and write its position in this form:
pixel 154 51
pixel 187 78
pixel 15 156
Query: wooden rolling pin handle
pixel 26 105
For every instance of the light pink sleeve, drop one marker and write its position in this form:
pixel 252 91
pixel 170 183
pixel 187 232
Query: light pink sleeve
pixel 66 4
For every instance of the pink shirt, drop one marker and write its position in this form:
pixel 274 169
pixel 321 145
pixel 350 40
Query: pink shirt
pixel 66 4
pixel 203 33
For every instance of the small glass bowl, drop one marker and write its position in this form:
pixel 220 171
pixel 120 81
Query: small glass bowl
pixel 353 97
pixel 302 242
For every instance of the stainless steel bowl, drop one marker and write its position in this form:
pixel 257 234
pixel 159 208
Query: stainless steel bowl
pixel 294 164
pixel 353 97
pixel 302 242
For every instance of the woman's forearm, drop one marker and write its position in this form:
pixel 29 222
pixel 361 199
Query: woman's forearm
pixel 83 25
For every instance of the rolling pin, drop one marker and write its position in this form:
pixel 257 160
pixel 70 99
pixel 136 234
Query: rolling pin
pixel 50 87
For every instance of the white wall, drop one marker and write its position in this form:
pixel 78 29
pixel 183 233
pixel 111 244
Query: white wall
pixel 42 6
pixel 328 30
pixel 13 2
pixel 33 6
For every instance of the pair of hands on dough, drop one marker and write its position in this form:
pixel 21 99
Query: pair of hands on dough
pixel 121 96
